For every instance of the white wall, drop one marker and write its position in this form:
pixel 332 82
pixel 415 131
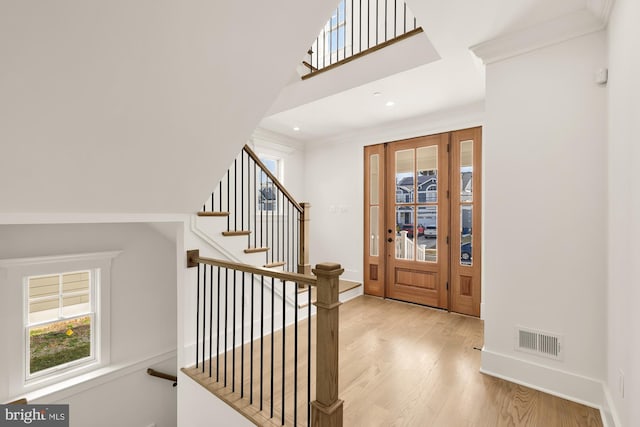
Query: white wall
pixel 93 93
pixel 545 245
pixel 624 212
pixel 143 318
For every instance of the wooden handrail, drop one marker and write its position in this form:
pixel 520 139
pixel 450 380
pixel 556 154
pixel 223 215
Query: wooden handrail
pixel 22 401
pixel 271 176
pixel 364 52
pixel 162 375
pixel 193 258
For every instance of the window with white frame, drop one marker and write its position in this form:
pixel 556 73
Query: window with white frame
pixel 56 312
pixel 267 195
pixel 60 321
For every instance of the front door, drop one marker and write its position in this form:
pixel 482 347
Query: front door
pixel 416 220
pixel 422 240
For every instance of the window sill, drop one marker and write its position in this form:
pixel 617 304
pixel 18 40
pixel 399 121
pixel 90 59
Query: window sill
pixel 72 386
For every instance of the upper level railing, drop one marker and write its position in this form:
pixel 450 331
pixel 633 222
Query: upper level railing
pixel 256 355
pixel 258 205
pixel 358 27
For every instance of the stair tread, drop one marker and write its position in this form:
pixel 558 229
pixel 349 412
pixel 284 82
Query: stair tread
pixel 210 213
pixel 274 264
pixel 255 250
pixel 236 233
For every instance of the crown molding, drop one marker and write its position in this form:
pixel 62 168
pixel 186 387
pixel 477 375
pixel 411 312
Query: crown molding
pixel 551 32
pixel 275 141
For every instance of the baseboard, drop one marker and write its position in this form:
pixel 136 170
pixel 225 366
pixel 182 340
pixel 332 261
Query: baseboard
pixel 608 411
pixel 577 388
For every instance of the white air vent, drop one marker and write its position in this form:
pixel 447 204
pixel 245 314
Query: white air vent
pixel 538 342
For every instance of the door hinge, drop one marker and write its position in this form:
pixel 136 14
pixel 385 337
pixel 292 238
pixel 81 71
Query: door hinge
pixel 447 285
pixel 447 148
pixel 447 194
pixel 447 240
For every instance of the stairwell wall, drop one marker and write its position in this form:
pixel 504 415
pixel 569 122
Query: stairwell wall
pixel 143 320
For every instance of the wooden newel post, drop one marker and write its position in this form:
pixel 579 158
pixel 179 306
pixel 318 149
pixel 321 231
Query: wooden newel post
pixel 326 410
pixel 303 257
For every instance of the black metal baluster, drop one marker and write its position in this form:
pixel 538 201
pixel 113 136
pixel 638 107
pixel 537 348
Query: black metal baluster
pixel 273 294
pixel 377 21
pixel 233 334
pixel 404 5
pixel 235 194
pixel 255 205
pixel 414 23
pixel 261 338
pixel 368 22
pixel 197 313
pixel 284 311
pixel 338 33
pixel 242 212
pixel 295 355
pixel 242 340
pixel 204 314
pixel 309 349
pixel 226 307
pixel 360 28
pixel 352 43
pixel 330 38
pixel 218 329
pixel 273 223
pixel 395 17
pixel 228 200
pixel 386 18
pixel 220 195
pixel 252 338
pixel 210 319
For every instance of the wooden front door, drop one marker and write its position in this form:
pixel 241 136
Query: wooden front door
pixel 416 220
pixel 417 192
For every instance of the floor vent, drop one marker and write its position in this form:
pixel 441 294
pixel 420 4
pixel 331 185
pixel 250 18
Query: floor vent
pixel 538 342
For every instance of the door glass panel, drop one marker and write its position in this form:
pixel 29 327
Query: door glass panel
pixel 427 234
pixel 405 232
pixel 374 173
pixel 427 163
pixel 374 243
pixel 466 236
pixel 404 176
pixel 466 171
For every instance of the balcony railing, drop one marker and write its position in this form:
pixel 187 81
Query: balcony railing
pixel 357 27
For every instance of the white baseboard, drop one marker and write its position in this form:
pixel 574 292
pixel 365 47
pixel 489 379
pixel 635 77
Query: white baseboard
pixel 577 388
pixel 608 411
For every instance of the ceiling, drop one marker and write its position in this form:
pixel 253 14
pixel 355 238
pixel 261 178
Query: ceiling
pixel 455 78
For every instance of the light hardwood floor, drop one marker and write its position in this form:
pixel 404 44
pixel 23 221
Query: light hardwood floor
pixel 405 365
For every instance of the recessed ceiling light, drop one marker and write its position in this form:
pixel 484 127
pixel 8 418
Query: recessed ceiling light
pixel 377 93
pixel 296 128
pixel 390 104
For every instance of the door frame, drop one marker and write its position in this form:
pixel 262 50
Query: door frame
pixel 375 267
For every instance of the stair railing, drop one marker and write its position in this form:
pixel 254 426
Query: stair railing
pixel 252 360
pixel 356 28
pixel 257 204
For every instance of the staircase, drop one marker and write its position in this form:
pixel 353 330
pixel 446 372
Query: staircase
pixel 261 306
pixel 260 224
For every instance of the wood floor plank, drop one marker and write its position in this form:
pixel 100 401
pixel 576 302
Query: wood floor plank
pixel 412 366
